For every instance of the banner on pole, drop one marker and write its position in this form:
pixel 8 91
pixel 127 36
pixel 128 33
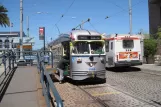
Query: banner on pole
pixel 41 33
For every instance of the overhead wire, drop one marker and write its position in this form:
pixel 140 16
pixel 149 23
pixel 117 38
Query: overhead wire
pixel 65 12
pixel 128 8
pixel 116 5
pixel 93 26
pixel 117 13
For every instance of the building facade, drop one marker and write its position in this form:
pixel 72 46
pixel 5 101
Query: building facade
pixel 154 15
pixel 11 40
pixel 7 40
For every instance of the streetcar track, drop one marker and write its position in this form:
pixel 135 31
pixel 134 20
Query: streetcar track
pixel 133 69
pixel 151 102
pixel 101 102
pixel 141 71
pixel 150 73
pixel 133 96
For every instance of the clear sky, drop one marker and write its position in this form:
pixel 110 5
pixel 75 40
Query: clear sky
pixel 96 10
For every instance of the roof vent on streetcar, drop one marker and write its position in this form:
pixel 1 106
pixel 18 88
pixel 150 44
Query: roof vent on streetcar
pixel 116 35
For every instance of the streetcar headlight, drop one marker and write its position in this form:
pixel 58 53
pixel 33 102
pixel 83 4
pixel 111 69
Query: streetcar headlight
pixel 79 60
pixel 90 64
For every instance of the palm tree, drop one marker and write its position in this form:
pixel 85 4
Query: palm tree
pixel 4 20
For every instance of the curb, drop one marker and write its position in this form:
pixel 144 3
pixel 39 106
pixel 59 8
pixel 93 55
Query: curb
pixel 40 97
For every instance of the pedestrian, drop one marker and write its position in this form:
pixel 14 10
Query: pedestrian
pixel 62 66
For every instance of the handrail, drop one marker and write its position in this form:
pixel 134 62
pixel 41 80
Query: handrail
pixel 47 83
pixel 52 63
pixel 10 57
pixel 8 62
pixel 9 69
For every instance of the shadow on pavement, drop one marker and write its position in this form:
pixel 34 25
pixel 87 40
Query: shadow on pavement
pixel 124 69
pixel 6 83
pixel 89 81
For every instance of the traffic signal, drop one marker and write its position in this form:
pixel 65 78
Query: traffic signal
pixel 41 33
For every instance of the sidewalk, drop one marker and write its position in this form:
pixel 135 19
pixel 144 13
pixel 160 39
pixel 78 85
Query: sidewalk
pixel 149 67
pixel 22 90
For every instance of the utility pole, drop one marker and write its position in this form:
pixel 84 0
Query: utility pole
pixel 142 44
pixel 28 26
pixel 130 16
pixel 21 31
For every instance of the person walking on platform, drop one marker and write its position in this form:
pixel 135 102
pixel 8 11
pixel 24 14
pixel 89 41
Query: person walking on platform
pixel 62 65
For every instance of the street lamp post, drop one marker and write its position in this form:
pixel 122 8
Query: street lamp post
pixel 28 26
pixel 130 16
pixel 21 32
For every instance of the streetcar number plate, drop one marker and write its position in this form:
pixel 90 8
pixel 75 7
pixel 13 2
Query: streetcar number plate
pixel 92 69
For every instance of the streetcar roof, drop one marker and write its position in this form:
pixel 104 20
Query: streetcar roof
pixel 61 38
pixel 84 32
pixel 122 35
pixel 75 34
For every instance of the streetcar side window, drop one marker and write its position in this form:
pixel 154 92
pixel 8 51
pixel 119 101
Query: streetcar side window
pixel 111 45
pixel 107 46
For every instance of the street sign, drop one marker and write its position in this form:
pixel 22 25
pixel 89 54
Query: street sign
pixel 41 33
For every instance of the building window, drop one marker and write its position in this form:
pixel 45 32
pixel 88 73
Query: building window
pixel 1 43
pixel 7 43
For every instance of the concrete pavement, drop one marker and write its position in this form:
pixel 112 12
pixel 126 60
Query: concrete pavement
pixel 22 90
pixel 149 67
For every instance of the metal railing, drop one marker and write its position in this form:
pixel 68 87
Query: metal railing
pixel 47 83
pixel 29 57
pixel 8 59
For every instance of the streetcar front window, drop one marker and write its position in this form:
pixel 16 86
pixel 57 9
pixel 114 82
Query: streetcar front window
pixel 81 48
pixel 97 48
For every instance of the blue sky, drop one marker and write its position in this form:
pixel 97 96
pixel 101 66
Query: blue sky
pixel 96 10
